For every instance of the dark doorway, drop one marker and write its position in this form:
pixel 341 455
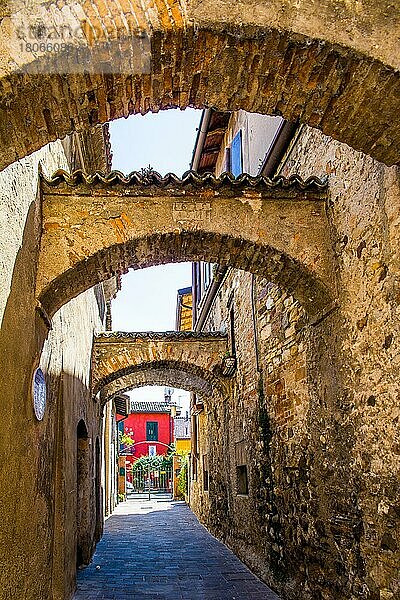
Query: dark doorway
pixel 82 480
pixel 98 492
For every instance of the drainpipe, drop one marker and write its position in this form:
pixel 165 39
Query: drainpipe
pixel 211 293
pixel 201 137
pixel 279 146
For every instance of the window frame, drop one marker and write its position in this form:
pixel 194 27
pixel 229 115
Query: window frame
pixel 242 477
pixel 236 155
pixel 156 433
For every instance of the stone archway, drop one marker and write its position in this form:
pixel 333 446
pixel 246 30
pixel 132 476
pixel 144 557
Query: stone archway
pixel 332 66
pixel 174 374
pixel 96 227
pixel 187 360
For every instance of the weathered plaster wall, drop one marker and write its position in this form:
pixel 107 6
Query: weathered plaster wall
pixel 66 357
pixel 38 459
pixel 110 476
pixel 92 230
pixel 317 421
pixel 18 193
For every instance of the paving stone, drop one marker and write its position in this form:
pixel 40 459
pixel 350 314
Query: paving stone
pixel 159 551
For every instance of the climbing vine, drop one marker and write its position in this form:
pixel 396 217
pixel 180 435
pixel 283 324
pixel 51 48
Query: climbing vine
pixel 183 474
pixel 153 463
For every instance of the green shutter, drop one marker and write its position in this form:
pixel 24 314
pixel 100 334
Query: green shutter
pixel 152 431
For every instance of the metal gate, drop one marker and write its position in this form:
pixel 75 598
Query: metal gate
pixel 154 481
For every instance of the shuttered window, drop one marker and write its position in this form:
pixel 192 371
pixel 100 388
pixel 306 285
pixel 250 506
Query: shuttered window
pixel 236 155
pixel 152 431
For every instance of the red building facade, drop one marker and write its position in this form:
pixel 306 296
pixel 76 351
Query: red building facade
pixel 151 426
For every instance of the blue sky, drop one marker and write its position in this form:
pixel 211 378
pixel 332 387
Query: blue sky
pixel 165 140
pixel 147 301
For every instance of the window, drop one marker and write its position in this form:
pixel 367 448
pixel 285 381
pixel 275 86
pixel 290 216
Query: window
pixel 236 155
pixel 205 473
pixel 152 431
pixel 241 480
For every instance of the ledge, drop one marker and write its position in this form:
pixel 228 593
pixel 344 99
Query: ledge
pixel 190 178
pixel 159 336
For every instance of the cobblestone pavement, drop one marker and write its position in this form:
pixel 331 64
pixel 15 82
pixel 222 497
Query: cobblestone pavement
pixel 157 550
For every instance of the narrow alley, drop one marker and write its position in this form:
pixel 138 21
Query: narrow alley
pixel 199 300
pixel 158 550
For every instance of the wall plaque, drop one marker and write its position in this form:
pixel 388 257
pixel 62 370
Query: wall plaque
pixel 39 393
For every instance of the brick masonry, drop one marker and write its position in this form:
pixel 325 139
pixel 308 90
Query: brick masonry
pixel 320 429
pixel 335 68
pixel 198 357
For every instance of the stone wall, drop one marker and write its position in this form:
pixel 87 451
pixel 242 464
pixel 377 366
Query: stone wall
pixel 38 472
pixel 365 209
pixel 314 409
pixel 197 355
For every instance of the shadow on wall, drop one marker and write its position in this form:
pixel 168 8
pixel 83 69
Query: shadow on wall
pixel 38 458
pixel 84 459
pixel 26 491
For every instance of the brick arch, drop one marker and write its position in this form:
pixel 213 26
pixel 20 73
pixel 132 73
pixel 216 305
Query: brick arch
pixel 175 374
pixel 297 60
pixel 158 249
pixel 191 360
pixel 94 228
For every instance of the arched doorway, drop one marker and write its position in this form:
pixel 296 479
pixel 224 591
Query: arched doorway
pixel 83 460
pixel 98 492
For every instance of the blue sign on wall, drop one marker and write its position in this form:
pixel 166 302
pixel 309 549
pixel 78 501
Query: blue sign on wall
pixel 39 393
